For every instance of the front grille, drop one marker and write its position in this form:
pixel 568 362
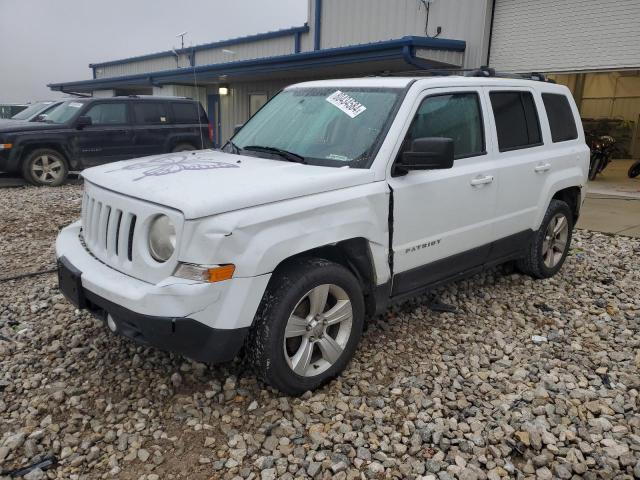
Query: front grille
pixel 107 230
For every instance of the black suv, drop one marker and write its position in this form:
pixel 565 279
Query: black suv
pixel 82 133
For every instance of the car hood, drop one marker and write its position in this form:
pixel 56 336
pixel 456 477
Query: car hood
pixel 14 126
pixel 209 182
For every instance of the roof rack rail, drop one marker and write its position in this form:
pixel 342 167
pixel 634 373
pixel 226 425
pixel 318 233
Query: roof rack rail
pixel 484 71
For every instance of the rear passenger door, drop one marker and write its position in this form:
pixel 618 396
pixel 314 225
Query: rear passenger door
pixel 443 219
pixel 522 164
pixel 151 130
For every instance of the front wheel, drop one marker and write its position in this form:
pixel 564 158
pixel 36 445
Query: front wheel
pixel 550 245
pixel 594 167
pixel 634 171
pixel 45 167
pixel 307 327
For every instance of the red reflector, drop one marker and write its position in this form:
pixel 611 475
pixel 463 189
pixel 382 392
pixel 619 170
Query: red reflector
pixel 211 132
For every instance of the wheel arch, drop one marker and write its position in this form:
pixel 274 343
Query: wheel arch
pixel 355 255
pixel 571 196
pixel 29 147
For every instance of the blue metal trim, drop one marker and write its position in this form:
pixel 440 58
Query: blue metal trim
pixel 207 46
pixel 317 25
pixel 93 72
pixel 402 48
pixel 296 42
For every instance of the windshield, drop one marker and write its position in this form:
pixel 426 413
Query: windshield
pixel 63 112
pixel 324 126
pixel 30 111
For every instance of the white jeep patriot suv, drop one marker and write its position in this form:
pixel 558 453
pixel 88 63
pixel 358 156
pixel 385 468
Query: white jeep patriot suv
pixel 333 200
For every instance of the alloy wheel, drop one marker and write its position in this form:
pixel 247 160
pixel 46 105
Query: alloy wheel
pixel 318 330
pixel 47 169
pixel 555 240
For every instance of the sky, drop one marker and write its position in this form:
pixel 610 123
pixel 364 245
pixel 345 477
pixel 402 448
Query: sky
pixel 50 41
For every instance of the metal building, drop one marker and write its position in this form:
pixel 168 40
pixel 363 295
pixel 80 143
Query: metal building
pixel 233 78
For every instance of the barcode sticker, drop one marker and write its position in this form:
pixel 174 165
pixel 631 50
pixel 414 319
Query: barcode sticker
pixel 347 104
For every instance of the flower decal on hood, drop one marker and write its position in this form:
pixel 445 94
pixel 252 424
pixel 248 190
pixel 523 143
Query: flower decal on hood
pixel 174 163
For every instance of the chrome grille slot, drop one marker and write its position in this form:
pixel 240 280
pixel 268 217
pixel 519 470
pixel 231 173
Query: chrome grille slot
pixel 113 231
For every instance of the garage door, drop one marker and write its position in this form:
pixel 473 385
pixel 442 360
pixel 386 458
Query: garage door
pixel 565 35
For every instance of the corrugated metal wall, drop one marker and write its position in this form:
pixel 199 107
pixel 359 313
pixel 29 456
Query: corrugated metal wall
pixel 246 51
pixel 568 35
pixel 142 66
pixel 350 22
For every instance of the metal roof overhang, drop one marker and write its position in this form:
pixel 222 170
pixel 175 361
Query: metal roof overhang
pixel 404 54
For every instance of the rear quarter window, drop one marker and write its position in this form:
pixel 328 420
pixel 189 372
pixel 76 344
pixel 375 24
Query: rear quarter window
pixel 188 112
pixel 150 113
pixel 561 120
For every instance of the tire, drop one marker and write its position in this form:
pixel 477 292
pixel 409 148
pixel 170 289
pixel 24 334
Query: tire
pixel 634 170
pixel 548 251
pixel 287 306
pixel 183 147
pixel 594 168
pixel 45 167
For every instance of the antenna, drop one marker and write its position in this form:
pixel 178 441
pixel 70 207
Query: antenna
pixel 181 36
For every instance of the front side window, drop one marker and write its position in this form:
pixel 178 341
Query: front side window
pixel 457 116
pixel 324 126
pixel 108 114
pixel 561 121
pixel 150 113
pixel 516 120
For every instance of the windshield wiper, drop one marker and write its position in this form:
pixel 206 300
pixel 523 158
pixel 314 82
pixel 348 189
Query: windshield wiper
pixel 290 156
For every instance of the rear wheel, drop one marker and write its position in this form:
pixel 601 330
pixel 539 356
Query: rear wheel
pixel 307 327
pixel 183 147
pixel 634 171
pixel 550 245
pixel 45 167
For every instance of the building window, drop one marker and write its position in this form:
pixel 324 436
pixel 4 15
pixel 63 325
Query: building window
pixel 561 121
pixel 516 120
pixel 456 116
pixel 256 101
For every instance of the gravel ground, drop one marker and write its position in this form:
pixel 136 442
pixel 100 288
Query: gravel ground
pixel 469 395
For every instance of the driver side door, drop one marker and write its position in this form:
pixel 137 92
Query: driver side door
pixel 443 219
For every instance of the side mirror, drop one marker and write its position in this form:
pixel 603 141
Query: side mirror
pixel 83 121
pixel 237 128
pixel 40 118
pixel 428 153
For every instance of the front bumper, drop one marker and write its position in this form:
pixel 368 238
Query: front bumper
pixel 204 321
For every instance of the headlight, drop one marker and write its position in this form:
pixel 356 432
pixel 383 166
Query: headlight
pixel 162 238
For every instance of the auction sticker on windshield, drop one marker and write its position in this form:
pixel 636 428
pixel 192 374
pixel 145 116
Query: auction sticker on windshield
pixel 75 104
pixel 347 104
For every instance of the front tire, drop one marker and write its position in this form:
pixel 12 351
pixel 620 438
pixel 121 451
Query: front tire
pixel 45 167
pixel 594 168
pixel 307 327
pixel 634 170
pixel 550 245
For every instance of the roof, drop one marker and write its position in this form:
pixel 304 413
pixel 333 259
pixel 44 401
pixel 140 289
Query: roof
pixel 402 50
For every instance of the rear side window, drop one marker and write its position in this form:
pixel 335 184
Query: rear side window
pixel 188 112
pixel 150 113
pixel 108 114
pixel 517 121
pixel 456 116
pixel 561 121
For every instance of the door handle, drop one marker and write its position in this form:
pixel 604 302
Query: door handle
pixel 543 167
pixel 481 180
